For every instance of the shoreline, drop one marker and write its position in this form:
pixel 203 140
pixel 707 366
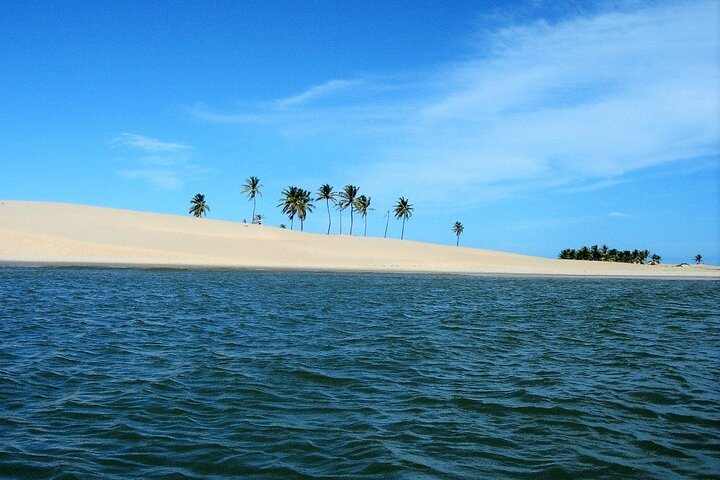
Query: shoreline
pixel 42 234
pixel 15 264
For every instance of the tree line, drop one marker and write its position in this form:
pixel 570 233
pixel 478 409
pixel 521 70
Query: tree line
pixel 605 254
pixel 297 202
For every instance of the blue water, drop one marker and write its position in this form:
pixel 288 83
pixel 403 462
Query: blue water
pixel 208 374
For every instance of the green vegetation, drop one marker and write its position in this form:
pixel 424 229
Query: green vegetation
pixel 198 207
pixel 404 210
pixel 458 229
pixel 698 259
pixel 362 205
pixel 347 198
pixel 252 188
pixel 605 254
pixel 296 201
pixel 304 206
pixel 340 206
pixel 325 192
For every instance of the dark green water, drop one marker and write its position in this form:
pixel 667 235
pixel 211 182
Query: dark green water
pixel 208 374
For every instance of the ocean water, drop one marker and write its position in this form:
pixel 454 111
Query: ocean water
pixel 208 374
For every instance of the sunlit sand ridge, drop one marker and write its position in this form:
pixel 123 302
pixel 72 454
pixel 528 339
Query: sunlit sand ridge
pixel 63 234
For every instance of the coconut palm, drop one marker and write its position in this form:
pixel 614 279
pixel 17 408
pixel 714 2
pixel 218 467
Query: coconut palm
pixel 348 197
pixel 362 204
pixel 340 206
pixel 698 259
pixel 296 201
pixel 252 188
pixel 326 193
pixel 404 210
pixel 458 229
pixel 303 205
pixel 289 204
pixel 198 207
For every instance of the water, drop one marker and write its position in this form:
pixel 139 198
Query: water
pixel 202 374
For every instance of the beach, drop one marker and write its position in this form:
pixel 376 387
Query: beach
pixel 43 233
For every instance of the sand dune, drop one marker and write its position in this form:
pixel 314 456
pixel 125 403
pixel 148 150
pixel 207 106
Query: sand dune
pixel 63 234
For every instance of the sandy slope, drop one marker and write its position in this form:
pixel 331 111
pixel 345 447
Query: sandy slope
pixel 55 233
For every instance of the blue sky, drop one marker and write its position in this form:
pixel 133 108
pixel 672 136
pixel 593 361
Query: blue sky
pixel 540 125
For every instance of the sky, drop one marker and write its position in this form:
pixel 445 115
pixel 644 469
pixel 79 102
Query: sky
pixel 540 125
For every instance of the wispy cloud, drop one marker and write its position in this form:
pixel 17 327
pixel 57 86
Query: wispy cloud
pixel 618 215
pixel 151 145
pixel 164 165
pixel 574 106
pixel 318 91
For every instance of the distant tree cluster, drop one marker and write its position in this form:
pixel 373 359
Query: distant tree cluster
pixel 298 202
pixel 605 254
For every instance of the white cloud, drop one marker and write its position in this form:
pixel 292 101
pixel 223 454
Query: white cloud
pixel 165 165
pixel 575 106
pixel 151 145
pixel 618 215
pixel 318 91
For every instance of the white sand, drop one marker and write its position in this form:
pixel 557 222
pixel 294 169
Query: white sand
pixel 63 234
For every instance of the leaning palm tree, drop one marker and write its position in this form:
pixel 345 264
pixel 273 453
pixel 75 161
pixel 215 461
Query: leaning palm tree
pixel 198 207
pixel 326 193
pixel 403 209
pixel 289 204
pixel 348 197
pixel 362 204
pixel 252 188
pixel 303 205
pixel 458 229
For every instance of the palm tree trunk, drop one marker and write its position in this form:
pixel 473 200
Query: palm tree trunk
pixel 253 217
pixel 351 219
pixel 292 219
pixel 387 223
pixel 365 226
pixel 302 224
pixel 458 241
pixel 402 233
pixel 340 221
pixel 329 217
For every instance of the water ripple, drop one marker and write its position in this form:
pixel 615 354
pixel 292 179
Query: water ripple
pixel 216 374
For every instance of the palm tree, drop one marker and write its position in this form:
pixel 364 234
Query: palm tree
pixel 303 206
pixel 252 188
pixel 326 193
pixel 340 205
pixel 362 204
pixel 348 197
pixel 698 259
pixel 458 229
pixel 289 204
pixel 387 223
pixel 403 209
pixel 198 207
